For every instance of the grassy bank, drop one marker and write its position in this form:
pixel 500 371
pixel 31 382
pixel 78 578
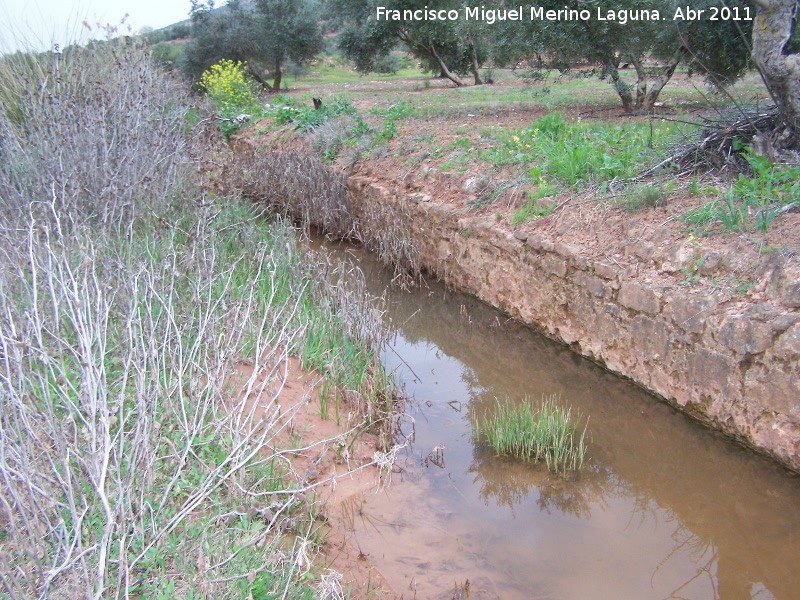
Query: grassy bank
pixel 131 461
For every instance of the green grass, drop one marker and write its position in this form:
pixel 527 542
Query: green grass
pixel 535 432
pixel 575 153
pixel 753 202
pixel 536 207
pixel 326 75
pixel 492 99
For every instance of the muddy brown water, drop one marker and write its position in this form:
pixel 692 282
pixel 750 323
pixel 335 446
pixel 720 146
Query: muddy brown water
pixel 664 508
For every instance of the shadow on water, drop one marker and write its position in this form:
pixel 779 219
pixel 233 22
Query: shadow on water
pixel 664 508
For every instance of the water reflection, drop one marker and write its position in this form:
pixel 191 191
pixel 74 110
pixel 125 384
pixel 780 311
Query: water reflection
pixel 509 482
pixel 665 509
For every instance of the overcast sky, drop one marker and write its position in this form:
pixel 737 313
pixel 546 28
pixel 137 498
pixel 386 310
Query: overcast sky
pixel 36 24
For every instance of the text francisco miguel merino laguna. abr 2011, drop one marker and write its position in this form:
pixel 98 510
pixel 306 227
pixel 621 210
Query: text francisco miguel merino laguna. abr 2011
pixel 538 13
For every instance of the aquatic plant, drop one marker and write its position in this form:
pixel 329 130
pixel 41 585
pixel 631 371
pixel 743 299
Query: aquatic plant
pixel 544 431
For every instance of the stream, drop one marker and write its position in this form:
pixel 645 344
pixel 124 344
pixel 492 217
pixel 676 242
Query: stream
pixel 663 508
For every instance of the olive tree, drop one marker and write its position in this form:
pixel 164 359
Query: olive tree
pixel 264 34
pixel 441 45
pixel 773 53
pixel 650 36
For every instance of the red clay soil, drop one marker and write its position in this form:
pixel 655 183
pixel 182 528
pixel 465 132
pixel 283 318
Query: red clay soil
pixel 331 467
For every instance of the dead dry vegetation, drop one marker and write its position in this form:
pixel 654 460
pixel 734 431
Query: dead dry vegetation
pixel 151 341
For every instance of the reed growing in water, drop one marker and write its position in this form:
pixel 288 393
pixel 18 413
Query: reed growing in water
pixel 544 431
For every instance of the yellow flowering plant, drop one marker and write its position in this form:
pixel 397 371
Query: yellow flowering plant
pixel 230 89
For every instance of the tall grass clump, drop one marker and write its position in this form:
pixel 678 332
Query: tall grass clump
pixel 541 432
pixel 137 458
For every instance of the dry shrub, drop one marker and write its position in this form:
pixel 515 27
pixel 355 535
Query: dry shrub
pixel 298 184
pixel 329 137
pixel 386 230
pixel 118 431
pixel 126 469
pixel 93 133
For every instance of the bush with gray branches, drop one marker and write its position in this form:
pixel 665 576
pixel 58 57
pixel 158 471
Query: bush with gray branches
pixel 135 459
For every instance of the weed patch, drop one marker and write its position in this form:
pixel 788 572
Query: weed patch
pixel 543 432
pixel 306 118
pixel 575 153
pixel 753 202
pixel 394 113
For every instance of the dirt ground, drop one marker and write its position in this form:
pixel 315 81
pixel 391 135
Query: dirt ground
pixel 333 463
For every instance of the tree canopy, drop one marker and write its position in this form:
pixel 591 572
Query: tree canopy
pixel 441 45
pixel 650 36
pixel 264 35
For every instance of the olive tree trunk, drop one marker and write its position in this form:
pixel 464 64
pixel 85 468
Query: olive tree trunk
pixel 772 30
pixel 623 89
pixel 258 78
pixel 667 71
pixel 641 83
pixel 277 76
pixel 473 57
pixel 445 69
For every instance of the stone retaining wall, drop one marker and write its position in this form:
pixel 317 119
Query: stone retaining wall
pixel 738 372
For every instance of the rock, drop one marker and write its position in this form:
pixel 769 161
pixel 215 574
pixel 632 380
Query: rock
pixel 689 314
pixel 475 185
pixel 710 263
pixel 783 322
pixel 565 250
pixel 650 337
pixel 683 254
pixel 555 265
pixel 763 312
pixel 640 298
pixel 662 235
pixel 710 372
pixel 605 271
pixel 539 243
pixel 668 267
pixel 580 262
pixel 745 336
pixel 594 285
pixel 644 251
pixel 789 293
pixel 787 347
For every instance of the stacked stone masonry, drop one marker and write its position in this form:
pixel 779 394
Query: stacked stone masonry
pixel 737 372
